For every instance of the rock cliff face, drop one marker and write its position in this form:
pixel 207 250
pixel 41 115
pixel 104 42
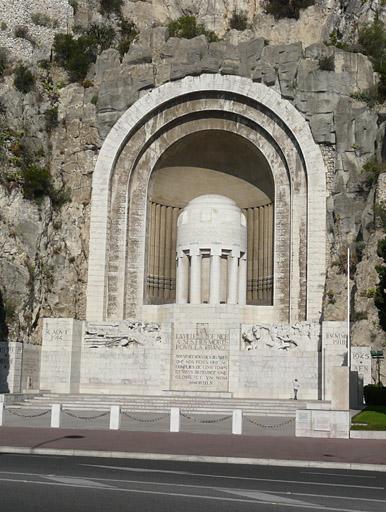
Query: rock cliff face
pixel 43 258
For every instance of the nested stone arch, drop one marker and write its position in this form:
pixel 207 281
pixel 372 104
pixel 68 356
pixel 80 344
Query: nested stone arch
pixel 137 224
pixel 135 128
pixel 128 162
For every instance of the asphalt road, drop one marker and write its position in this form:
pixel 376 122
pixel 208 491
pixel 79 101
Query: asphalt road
pixel 58 484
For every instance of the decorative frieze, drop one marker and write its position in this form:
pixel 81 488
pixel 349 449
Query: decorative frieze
pixel 121 334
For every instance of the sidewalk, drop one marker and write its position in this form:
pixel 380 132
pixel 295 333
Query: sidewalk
pixel 337 453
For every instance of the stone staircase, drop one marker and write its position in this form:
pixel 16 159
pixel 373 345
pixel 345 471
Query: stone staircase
pixel 161 404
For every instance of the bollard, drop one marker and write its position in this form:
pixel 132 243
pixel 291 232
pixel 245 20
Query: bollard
pixel 115 417
pixel 174 419
pixel 237 421
pixel 55 415
pixel 1 413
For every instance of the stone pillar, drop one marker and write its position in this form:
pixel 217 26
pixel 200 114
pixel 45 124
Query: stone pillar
pixel 233 262
pixel 182 280
pixel 243 280
pixel 195 277
pixel 214 279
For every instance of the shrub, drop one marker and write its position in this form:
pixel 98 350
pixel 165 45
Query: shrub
pixel 380 294
pixel 111 6
pixel 21 32
pixel 187 27
pixel 36 182
pixel 24 80
pixel 286 8
pixel 374 395
pixel 372 40
pixel 94 99
pixel 43 20
pixel 3 25
pixel 239 20
pixel 129 32
pixel 370 294
pixel 3 61
pixel 327 63
pixel 51 118
pixel 74 5
pixel 370 96
pixel 372 170
pixel 75 55
pixel 101 36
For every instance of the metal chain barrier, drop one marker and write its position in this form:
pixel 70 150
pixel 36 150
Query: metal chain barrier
pixel 143 420
pixel 94 417
pixel 277 425
pixel 196 420
pixel 38 415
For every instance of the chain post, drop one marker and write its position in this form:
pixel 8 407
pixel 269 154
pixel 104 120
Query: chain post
pixel 175 419
pixel 237 422
pixel 115 417
pixel 55 415
pixel 1 413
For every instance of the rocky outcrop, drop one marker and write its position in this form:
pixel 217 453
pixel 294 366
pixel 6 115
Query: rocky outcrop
pixel 43 259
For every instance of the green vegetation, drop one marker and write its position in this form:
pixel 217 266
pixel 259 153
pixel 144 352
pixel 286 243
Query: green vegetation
pixel 370 96
pixel 24 80
pixel 373 416
pixel 372 169
pixel 3 61
pixel 76 54
pixel 21 32
pixel 335 39
pixel 187 27
pixel 239 20
pixel 100 36
pixel 129 32
pixel 286 8
pixel 51 118
pixel 3 25
pixel 111 6
pixel 372 40
pixel 24 170
pixel 74 5
pixel 380 294
pixel 94 99
pixel 327 63
pixel 43 20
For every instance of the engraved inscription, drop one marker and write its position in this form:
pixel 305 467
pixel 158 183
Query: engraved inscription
pixel 200 360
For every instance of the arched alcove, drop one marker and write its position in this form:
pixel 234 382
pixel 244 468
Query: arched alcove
pixel 209 162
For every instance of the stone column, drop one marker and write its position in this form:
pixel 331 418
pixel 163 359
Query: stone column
pixel 195 277
pixel 182 279
pixel 214 279
pixel 243 280
pixel 233 262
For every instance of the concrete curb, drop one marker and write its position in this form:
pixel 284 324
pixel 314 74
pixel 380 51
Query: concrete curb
pixel 194 458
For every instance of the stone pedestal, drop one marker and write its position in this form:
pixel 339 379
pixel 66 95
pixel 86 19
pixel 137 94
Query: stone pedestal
pixel 61 355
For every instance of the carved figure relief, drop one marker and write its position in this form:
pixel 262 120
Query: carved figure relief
pixel 276 337
pixel 123 334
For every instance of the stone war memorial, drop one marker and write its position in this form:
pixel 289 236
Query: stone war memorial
pixel 202 191
pixel 207 253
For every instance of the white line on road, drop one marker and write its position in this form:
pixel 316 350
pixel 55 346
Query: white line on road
pixel 180 495
pixel 62 478
pixel 336 474
pixel 255 479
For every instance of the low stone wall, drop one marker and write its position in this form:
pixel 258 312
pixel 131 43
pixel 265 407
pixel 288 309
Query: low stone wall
pixel 323 423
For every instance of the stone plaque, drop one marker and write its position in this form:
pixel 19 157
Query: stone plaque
pixel 200 359
pixel 361 363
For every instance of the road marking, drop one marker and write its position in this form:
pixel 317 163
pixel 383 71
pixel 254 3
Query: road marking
pixel 254 479
pixel 222 489
pixel 336 474
pixel 181 495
